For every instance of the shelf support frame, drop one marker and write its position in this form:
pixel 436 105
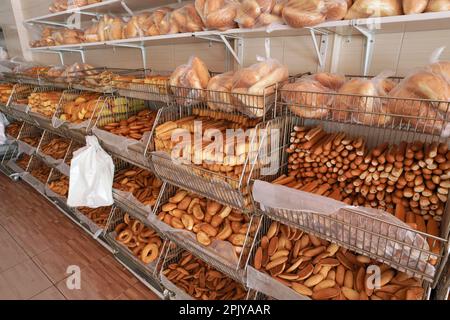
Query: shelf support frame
pixel 141 47
pixel 320 49
pixel 223 39
pixel 369 36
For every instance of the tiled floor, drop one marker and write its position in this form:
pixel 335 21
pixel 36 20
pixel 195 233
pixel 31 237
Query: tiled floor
pixel 37 245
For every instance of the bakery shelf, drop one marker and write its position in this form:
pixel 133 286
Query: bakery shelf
pixel 34 165
pixel 219 258
pixel 29 138
pixel 17 105
pixel 352 227
pixel 47 138
pixel 104 7
pixel 174 254
pixel 152 269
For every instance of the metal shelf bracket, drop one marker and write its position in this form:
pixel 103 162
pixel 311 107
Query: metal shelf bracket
pixel 321 49
pixel 369 46
pixel 141 47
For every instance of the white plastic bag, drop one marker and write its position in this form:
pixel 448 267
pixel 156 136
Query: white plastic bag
pixel 91 176
pixel 3 124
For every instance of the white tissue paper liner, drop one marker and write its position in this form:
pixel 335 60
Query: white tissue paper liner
pixel 370 231
pixel 222 250
pixel 117 143
pixel 264 283
pixel 64 168
pixel 25 148
pixel 49 192
pixel 50 160
pixel 128 196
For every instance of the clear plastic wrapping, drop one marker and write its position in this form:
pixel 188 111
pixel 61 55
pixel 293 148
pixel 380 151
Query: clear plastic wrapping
pixel 414 6
pixel 217 14
pixel 187 19
pixel 373 231
pixel 219 92
pixel 438 5
pixel 256 13
pixel 253 87
pixel 303 13
pixel 369 9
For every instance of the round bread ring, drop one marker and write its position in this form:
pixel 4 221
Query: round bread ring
pixel 137 250
pixel 156 240
pixel 120 227
pixel 125 236
pixel 137 227
pixel 133 242
pixel 126 218
pixel 142 239
pixel 146 232
pixel 149 253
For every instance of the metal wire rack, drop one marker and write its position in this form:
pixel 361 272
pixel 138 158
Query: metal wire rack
pixel 230 187
pixel 116 217
pixel 17 105
pixel 149 85
pixel 31 75
pixel 54 176
pixel 4 98
pixel 37 116
pixel 122 108
pixel 401 247
pixel 48 137
pixel 234 269
pixel 125 203
pixel 30 135
pixel 388 118
pixel 174 255
pixel 38 183
pixel 71 129
pixel 94 229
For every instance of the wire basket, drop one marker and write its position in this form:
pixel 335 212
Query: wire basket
pixel 215 257
pixel 388 118
pixel 150 86
pixel 5 93
pixel 173 255
pixel 58 197
pixel 122 109
pixel 85 118
pixel 27 75
pixel 93 228
pixel 47 138
pixel 267 285
pixel 38 183
pixel 17 105
pixel 29 138
pixel 232 187
pixel 117 217
pixel 355 228
pixel 42 120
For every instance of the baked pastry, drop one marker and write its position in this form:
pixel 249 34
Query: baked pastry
pixel 156 19
pixel 303 13
pixel 137 25
pixel 187 19
pixel 414 6
pixel 370 8
pixel 330 80
pixel 217 14
pixel 219 92
pixel 438 5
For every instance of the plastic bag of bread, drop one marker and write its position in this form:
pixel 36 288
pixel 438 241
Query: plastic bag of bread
pixel 429 83
pixel 157 18
pixel 219 92
pixel 91 33
pixel 188 82
pixel 137 26
pixel 166 25
pixel 371 230
pixel 217 14
pixel 360 100
pixel 187 19
pixel 110 28
pixel 374 8
pixel 303 13
pixel 312 96
pixel 58 5
pixel 254 87
pixel 414 6
pixel 256 13
pixel 72 36
pixel 438 5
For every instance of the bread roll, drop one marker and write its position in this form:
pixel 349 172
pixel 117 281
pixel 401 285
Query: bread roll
pixel 187 19
pixel 156 19
pixel 374 8
pixel 414 6
pixel 330 80
pixel 307 98
pixel 441 68
pixel 359 100
pixel 91 33
pixel 438 5
pixel 219 92
pixel 217 14
pixel 303 13
pixel 249 11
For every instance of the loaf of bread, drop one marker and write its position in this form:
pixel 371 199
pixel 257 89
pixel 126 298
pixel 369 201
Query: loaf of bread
pixel 138 25
pixel 219 92
pixel 187 19
pixel 414 6
pixel 256 13
pixel 44 103
pixel 379 8
pixel 217 14
pixel 159 22
pixel 438 5
pixel 81 108
pixel 254 86
pixel 303 13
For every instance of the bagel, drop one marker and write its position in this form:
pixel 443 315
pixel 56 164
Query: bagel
pixel 127 219
pixel 120 227
pixel 137 227
pixel 125 236
pixel 149 253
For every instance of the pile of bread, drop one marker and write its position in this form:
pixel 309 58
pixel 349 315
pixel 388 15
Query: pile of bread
pixel 63 5
pixel 97 215
pixel 31 140
pixel 142 241
pixel 23 161
pixel 222 15
pixel 133 127
pixel 249 90
pixel 60 186
pixel 80 108
pixel 5 92
pixel 39 170
pixel 201 281
pixel 207 219
pixel 142 184
pixel 13 129
pixel 44 103
pixel 322 270
pixel 368 101
pixel 55 148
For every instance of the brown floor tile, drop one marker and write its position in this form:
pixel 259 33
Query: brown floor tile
pixel 23 281
pixel 136 293
pixel 11 253
pixel 51 293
